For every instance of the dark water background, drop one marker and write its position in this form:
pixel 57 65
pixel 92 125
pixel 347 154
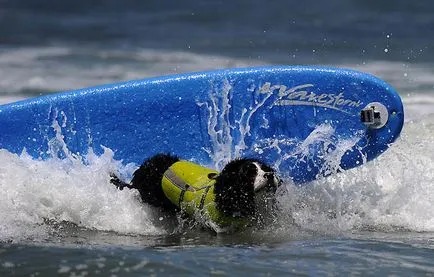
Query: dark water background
pixel 269 31
pixel 48 46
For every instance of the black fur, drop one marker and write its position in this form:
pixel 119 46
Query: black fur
pixel 234 187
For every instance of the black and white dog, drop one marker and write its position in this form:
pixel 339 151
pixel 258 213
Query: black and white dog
pixel 244 191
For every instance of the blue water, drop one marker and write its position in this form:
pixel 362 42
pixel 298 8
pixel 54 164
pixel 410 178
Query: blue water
pixel 376 220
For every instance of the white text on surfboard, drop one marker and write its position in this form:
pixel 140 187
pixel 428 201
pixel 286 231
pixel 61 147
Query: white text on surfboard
pixel 301 95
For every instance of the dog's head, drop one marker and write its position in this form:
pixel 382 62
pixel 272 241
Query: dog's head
pixel 246 188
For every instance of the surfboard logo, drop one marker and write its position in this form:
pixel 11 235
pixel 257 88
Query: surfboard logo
pixel 303 95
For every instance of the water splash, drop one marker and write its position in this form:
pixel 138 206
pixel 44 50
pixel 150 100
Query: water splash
pixel 395 191
pixel 219 126
pixel 227 135
pixel 232 132
pixel 70 189
pixel 327 147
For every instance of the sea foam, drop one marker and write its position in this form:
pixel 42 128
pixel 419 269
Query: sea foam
pixel 71 190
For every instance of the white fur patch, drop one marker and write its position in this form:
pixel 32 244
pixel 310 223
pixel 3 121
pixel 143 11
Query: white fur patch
pixel 260 180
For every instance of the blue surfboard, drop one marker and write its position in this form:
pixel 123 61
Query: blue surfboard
pixel 305 121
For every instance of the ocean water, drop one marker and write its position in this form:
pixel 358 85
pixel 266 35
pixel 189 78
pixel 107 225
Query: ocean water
pixel 63 218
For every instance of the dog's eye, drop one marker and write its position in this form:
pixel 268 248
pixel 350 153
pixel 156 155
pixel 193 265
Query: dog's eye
pixel 249 169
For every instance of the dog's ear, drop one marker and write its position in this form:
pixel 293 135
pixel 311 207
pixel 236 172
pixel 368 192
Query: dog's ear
pixel 234 188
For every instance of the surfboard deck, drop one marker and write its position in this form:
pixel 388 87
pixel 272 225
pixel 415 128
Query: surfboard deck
pixel 305 121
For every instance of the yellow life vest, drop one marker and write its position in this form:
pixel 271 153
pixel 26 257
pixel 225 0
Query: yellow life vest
pixel 191 187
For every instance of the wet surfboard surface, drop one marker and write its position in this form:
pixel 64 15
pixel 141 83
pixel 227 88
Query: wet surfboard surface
pixel 304 121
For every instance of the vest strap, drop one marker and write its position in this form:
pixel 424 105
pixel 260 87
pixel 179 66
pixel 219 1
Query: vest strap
pixel 202 200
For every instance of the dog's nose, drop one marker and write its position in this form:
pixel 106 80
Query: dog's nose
pixel 269 176
pixel 272 180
